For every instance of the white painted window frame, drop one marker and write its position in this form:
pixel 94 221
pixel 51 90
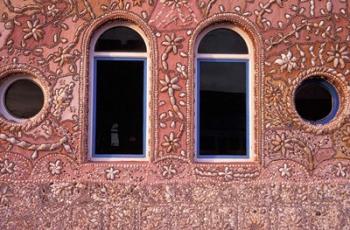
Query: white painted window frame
pixel 251 81
pixel 119 55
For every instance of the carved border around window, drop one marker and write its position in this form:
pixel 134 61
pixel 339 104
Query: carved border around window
pixel 84 84
pixel 256 39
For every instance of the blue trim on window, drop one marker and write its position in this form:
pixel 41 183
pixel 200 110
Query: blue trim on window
pixel 217 156
pixel 117 155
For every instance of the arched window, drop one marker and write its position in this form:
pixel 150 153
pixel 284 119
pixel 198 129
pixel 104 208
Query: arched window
pixel 223 97
pixel 118 71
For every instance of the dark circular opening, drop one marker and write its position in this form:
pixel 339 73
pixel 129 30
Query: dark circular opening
pixel 316 100
pixel 24 99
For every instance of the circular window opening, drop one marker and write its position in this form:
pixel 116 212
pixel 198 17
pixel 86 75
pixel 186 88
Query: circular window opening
pixel 316 100
pixel 23 99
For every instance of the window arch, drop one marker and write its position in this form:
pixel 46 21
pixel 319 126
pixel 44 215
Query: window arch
pixel 118 93
pixel 224 94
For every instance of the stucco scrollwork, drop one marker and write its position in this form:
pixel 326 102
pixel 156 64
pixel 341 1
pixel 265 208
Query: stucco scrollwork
pixel 299 178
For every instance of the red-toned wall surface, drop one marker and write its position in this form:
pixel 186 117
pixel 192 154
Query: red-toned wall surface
pixel 299 178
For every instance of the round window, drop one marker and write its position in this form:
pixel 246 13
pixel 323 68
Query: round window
pixel 316 100
pixel 23 98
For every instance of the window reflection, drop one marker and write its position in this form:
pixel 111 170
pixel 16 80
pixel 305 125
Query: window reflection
pixel 223 41
pixel 119 107
pixel 120 39
pixel 223 109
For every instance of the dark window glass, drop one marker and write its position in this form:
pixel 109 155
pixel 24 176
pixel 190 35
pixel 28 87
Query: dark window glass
pixel 223 109
pixel 223 41
pixel 316 100
pixel 120 39
pixel 119 107
pixel 24 99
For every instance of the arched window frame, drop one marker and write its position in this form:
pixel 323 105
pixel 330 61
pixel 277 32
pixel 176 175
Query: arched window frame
pixel 249 58
pixel 97 55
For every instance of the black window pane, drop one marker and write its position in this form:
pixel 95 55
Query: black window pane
pixel 223 41
pixel 24 99
pixel 120 39
pixel 223 122
pixel 314 100
pixel 119 107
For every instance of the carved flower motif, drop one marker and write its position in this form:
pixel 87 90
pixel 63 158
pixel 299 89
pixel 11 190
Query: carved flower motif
pixel 172 43
pixel 55 167
pixel 33 30
pixel 281 144
pixel 169 84
pixel 61 57
pixel 7 167
pixel 287 61
pixel 227 174
pixel 111 173
pixel 52 10
pixel 285 171
pixel 340 170
pixel 171 142
pixel 338 55
pixel 168 171
pixel 274 94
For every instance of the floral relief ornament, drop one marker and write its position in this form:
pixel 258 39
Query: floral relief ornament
pixel 7 167
pixel 285 171
pixel 169 85
pixel 172 43
pixel 168 171
pixel 227 174
pixel 338 55
pixel 62 56
pixel 340 170
pixel 171 142
pixel 287 62
pixel 112 173
pixel 52 10
pixel 55 167
pixel 281 144
pixel 33 29
pixel 188 213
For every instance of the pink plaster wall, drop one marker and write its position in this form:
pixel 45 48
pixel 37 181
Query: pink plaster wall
pixel 299 179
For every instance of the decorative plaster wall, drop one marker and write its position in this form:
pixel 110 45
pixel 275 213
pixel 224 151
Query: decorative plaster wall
pixel 299 179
